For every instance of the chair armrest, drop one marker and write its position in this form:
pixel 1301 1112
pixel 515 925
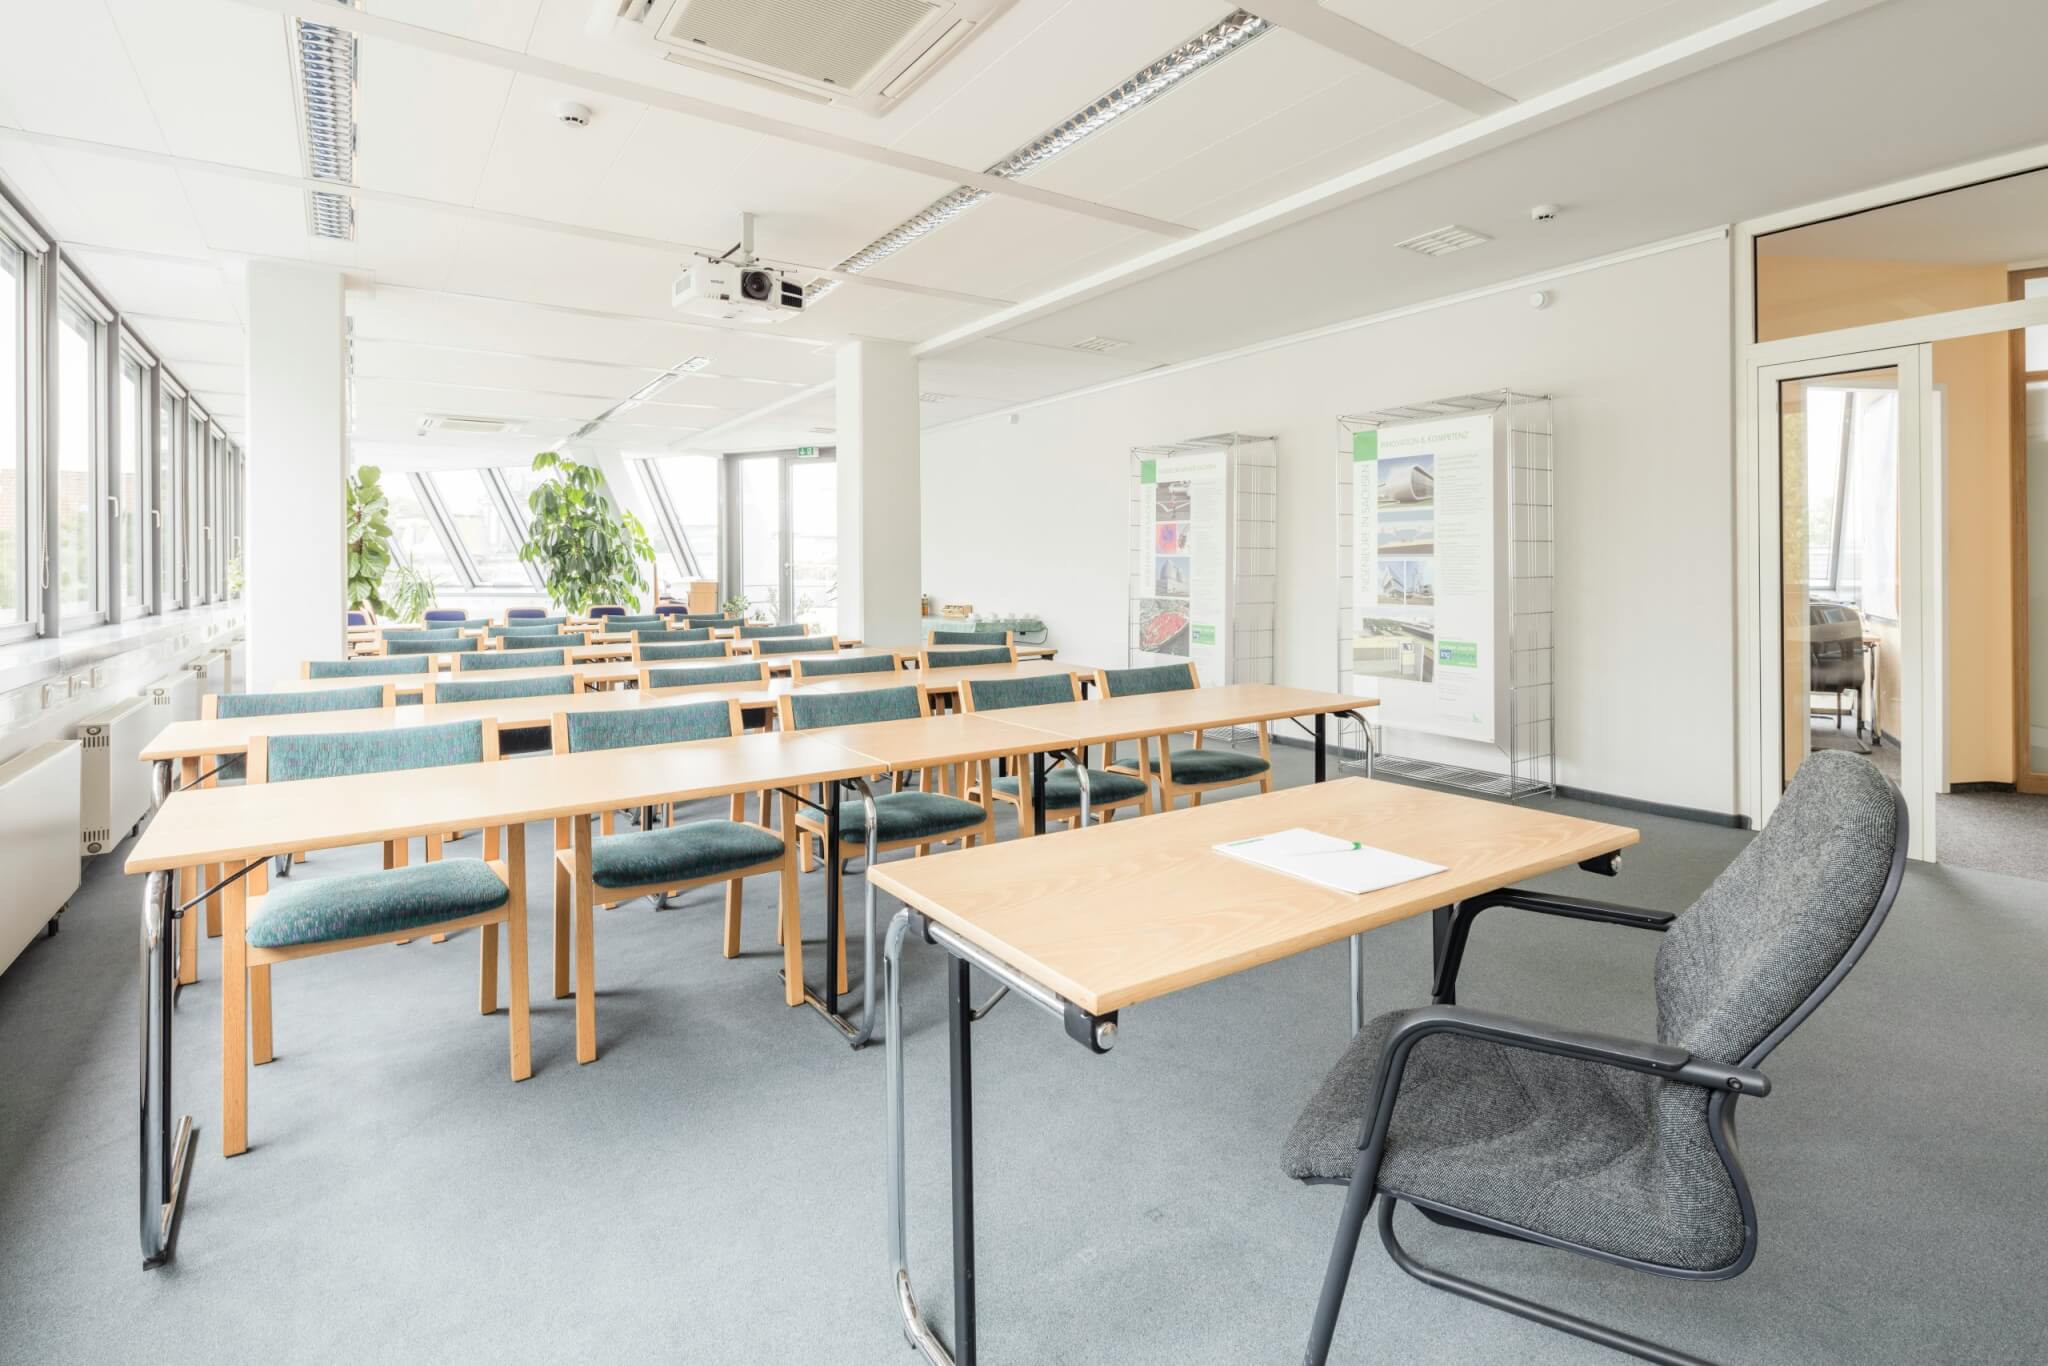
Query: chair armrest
pixel 1464 913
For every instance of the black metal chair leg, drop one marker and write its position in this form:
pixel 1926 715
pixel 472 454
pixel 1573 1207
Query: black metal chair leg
pixel 1513 1304
pixel 1344 1251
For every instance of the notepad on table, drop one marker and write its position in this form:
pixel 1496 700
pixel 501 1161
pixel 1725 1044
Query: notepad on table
pixel 1327 861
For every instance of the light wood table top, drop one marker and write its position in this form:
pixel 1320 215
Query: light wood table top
pixel 237 824
pixel 1116 914
pixel 1108 719
pixel 933 741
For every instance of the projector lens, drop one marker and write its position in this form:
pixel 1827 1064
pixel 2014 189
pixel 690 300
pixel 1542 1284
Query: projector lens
pixel 755 284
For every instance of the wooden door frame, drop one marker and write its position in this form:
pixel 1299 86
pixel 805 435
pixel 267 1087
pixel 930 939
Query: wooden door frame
pixel 2025 779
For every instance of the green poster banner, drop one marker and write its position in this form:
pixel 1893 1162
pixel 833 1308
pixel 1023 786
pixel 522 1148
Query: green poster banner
pixel 1458 654
pixel 1148 471
pixel 1365 445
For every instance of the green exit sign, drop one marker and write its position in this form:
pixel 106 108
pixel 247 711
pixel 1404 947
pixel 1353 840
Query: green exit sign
pixel 807 452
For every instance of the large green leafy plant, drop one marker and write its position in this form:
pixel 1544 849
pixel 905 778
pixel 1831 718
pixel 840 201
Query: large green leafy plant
pixel 409 590
pixel 369 539
pixel 587 553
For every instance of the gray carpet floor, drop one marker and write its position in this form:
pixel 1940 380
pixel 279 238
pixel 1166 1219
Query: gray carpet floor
pixel 1991 832
pixel 711 1189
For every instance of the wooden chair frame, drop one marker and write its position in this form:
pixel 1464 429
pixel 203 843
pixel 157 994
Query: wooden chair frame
pixel 1020 764
pixel 1169 790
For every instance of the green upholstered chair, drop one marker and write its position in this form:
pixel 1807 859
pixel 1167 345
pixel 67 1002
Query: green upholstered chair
pixel 760 632
pixel 812 668
pixel 676 635
pixel 419 632
pixel 1108 792
pixel 635 621
pixel 518 740
pixel 229 706
pixel 949 658
pixel 608 868
pixel 366 666
pixel 654 682
pixel 511 659
pixel 795 645
pixel 941 636
pixel 906 818
pixel 716 623
pixel 650 653
pixel 1190 771
pixel 398 903
pixel 535 640
pixel 545 626
pixel 431 645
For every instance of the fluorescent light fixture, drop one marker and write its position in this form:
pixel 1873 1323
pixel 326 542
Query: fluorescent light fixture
pixel 1198 53
pixel 326 59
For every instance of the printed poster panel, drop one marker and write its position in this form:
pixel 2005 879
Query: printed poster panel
pixel 1423 622
pixel 1184 573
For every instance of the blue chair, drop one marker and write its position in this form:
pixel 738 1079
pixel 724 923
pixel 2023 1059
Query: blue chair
pixel 431 645
pixel 757 632
pixel 682 649
pixel 511 659
pixel 607 611
pixel 611 868
pixel 327 915
pixel 940 636
pixel 905 818
pixel 1108 792
pixel 1191 771
pixel 795 645
pixel 358 619
pixel 811 668
pixel 655 682
pixel 523 640
pixel 444 614
pixel 672 609
pixel 957 658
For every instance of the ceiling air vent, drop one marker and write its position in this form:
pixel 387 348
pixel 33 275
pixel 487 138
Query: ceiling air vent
pixel 465 426
pixel 1099 344
pixel 861 54
pixel 1443 241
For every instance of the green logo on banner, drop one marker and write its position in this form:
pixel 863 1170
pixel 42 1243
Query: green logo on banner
pixel 1148 471
pixel 1365 445
pixel 1458 654
pixel 1205 635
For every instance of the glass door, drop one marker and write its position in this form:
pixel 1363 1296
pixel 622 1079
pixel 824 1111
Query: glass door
pixel 782 537
pixel 757 526
pixel 814 544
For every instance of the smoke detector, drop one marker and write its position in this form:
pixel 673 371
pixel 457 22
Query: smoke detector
pixel 572 113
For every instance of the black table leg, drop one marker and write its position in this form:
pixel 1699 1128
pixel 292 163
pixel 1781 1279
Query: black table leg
pixel 1322 748
pixel 833 875
pixel 1439 944
pixel 1038 792
pixel 959 1017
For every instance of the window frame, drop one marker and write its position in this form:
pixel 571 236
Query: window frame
pixel 27 620
pixel 131 353
pixel 74 300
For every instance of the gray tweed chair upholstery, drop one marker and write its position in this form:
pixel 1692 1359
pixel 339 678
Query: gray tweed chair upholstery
pixel 1108 792
pixel 1835 654
pixel 1191 771
pixel 682 649
pixel 512 659
pixel 1616 1149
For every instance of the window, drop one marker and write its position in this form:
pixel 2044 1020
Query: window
pixel 77 470
pixel 129 483
pixel 15 597
pixel 1852 510
pixel 412 535
pixel 478 521
pixel 170 587
pixel 691 485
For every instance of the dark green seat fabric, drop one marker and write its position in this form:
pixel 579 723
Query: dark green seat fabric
pixel 811 711
pixel 495 689
pixel 322 910
pixel 680 853
pixel 369 666
pixel 511 659
pixel 294 757
pixel 230 705
pixel 970 637
pixel 520 640
pixel 649 726
pixel 1211 765
pixel 1063 788
pixel 749 672
pixel 849 664
pixel 960 659
pixel 909 816
pixel 996 694
pixel 1158 678
pixel 795 645
pixel 684 649
pixel 770 632
pixel 414 646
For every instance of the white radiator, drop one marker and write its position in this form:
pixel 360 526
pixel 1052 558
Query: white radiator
pixel 212 669
pixel 38 821
pixel 114 784
pixel 175 697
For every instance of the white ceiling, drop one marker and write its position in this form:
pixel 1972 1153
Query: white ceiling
pixel 506 265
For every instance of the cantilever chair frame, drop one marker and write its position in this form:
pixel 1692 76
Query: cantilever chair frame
pixel 1727 1085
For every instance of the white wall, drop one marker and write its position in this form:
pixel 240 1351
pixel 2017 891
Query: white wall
pixel 1032 515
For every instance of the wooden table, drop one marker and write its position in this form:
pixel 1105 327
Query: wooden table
pixel 1111 916
pixel 1111 719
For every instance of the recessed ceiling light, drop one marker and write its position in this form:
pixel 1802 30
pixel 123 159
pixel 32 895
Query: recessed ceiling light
pixel 1099 344
pixel 1443 241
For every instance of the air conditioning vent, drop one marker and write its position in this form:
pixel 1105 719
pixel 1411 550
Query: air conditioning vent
pixel 863 54
pixel 1443 241
pixel 1100 344
pixel 466 426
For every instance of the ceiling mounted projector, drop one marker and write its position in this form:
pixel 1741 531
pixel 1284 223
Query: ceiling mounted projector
pixel 737 293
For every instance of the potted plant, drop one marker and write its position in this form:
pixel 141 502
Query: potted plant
pixel 369 540
pixel 409 590
pixel 587 553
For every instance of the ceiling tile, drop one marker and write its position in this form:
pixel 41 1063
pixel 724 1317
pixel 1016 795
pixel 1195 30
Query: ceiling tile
pixel 425 122
pixel 65 70
pixel 502 23
pixel 218 77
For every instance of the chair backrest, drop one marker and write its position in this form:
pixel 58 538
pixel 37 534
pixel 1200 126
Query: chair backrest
pixel 513 614
pixel 1834 630
pixel 290 758
pixel 1038 690
pixel 366 666
pixel 824 666
pixel 1157 678
pixel 625 622
pixel 358 619
pixel 578 731
pixel 718 623
pixel 512 659
pixel 960 659
pixel 770 632
pixel 940 636
pixel 682 649
pixel 552 626
pixel 444 614
pixel 226 706
pixel 419 632
pixel 1784 922
pixel 812 711
pixel 469 624
pixel 522 640
pixel 791 645
pixel 494 689
pixel 678 634
pixel 454 644
pixel 704 676
pixel 640 633
pixel 672 609
pixel 608 610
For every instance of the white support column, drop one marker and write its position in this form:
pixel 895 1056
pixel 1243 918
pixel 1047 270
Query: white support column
pixel 879 494
pixel 295 553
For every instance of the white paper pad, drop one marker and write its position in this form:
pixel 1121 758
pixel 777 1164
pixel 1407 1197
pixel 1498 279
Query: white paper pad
pixel 1327 861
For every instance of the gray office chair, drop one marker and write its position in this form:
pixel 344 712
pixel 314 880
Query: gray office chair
pixel 1613 1148
pixel 1835 655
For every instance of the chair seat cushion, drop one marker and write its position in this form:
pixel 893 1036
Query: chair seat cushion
pixel 1212 765
pixel 680 853
pixel 320 910
pixel 904 816
pixel 1593 1155
pixel 1063 787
